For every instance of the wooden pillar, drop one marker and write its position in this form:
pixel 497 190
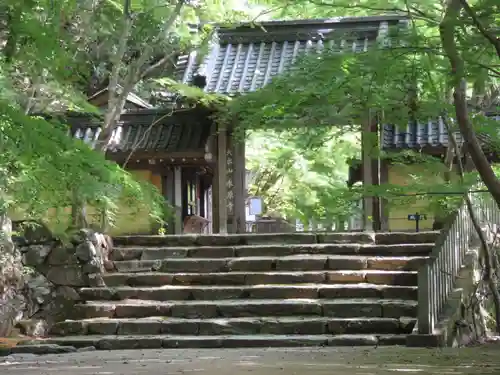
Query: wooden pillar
pixel 377 211
pixel 238 219
pixel 214 201
pixel 168 187
pixel 367 140
pixel 200 196
pixel 197 194
pixel 371 172
pixel 178 199
pixel 222 201
pixel 384 203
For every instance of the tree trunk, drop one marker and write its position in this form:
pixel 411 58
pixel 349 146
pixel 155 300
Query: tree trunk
pixel 483 167
pixel 447 32
pixel 135 72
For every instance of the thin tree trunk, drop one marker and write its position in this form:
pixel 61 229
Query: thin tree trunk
pixel 135 73
pixel 117 97
pixel 489 274
pixel 483 167
pixel 447 33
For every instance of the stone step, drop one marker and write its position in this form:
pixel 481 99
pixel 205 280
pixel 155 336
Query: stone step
pixel 276 291
pixel 234 326
pixel 227 341
pixel 205 309
pixel 245 239
pixel 279 250
pixel 287 263
pixel 278 238
pixel 394 238
pixel 404 278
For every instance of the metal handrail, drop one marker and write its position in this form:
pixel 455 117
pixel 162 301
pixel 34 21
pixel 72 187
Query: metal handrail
pixel 436 278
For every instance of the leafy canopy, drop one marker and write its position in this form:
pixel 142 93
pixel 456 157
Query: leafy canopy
pixel 408 80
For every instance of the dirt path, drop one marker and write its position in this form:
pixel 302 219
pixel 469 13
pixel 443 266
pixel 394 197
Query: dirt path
pixel 341 361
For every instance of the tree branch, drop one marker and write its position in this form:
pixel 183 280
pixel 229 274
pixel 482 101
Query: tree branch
pixel 138 68
pixel 115 99
pixel 135 73
pixel 157 65
pixel 475 19
pixel 418 13
pixel 447 33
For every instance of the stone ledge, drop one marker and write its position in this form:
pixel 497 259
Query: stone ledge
pixel 299 262
pixel 234 326
pixel 269 250
pixel 394 238
pixel 416 340
pixel 157 279
pixel 382 238
pixel 242 341
pixel 338 308
pixel 37 348
pixel 269 291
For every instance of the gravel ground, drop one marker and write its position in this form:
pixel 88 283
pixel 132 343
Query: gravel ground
pixel 338 361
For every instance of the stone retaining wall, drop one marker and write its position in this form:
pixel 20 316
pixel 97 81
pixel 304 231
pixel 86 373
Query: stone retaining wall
pixel 52 270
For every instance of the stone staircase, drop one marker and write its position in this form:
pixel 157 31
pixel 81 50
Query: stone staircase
pixel 252 290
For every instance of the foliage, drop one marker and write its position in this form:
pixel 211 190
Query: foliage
pixel 337 87
pixel 296 176
pixel 52 57
pixel 42 166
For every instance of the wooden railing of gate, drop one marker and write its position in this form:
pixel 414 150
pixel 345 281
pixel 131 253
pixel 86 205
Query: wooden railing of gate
pixel 279 225
pixel 436 278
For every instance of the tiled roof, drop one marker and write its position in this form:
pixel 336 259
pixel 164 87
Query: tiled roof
pixel 149 130
pixel 415 136
pixel 245 58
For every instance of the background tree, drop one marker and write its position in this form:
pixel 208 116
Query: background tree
pixel 365 80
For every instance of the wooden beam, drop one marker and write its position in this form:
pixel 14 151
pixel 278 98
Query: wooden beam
pixel 160 168
pixel 122 156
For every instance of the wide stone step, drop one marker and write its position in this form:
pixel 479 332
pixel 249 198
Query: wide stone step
pixel 340 308
pixel 235 326
pixel 245 239
pixel 277 250
pixel 404 278
pixel 114 342
pixel 394 238
pixel 286 263
pixel 278 238
pixel 277 291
